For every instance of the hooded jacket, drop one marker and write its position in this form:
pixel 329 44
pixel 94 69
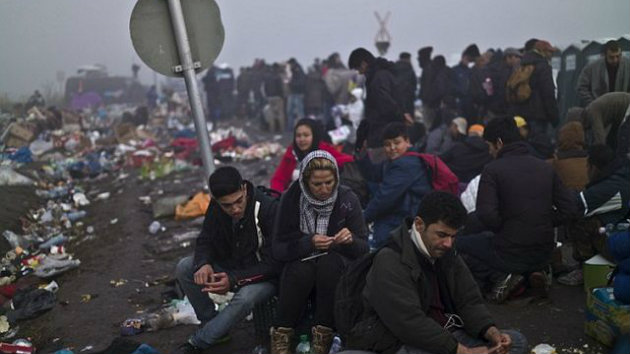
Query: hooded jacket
pixel 570 159
pixel 516 200
pixel 467 158
pixel 541 105
pixel 383 102
pixel 242 249
pixel 283 176
pixel 397 298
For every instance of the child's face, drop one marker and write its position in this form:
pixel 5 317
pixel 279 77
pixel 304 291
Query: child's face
pixel 396 147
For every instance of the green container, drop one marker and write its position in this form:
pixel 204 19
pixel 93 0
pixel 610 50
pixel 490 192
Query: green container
pixel 597 272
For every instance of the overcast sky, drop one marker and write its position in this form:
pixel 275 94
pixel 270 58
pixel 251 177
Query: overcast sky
pixel 39 38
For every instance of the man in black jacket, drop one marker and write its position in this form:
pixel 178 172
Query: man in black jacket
pixel 232 253
pixel 520 199
pixel 419 296
pixel 383 102
pixel 541 108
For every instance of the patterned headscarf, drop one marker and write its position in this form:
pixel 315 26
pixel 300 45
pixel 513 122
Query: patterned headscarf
pixel 314 213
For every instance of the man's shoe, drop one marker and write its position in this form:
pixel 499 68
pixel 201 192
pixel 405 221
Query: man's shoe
pixel 504 287
pixel 188 348
pixel 573 278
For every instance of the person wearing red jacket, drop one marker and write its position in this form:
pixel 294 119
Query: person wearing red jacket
pixel 306 138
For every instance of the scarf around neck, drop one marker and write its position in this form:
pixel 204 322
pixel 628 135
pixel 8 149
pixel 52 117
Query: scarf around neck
pixel 314 213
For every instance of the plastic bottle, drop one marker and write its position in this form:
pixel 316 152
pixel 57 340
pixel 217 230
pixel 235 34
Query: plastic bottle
pixel 612 228
pixel 335 347
pixel 76 215
pixel 304 347
pixel 154 227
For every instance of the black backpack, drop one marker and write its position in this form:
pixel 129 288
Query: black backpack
pixel 348 295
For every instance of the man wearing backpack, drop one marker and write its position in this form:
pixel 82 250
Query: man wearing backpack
pixel 232 253
pixel 530 91
pixel 419 296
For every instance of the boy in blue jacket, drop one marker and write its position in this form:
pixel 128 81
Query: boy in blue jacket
pixel 398 184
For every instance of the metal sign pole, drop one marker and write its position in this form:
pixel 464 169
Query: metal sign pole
pixel 187 66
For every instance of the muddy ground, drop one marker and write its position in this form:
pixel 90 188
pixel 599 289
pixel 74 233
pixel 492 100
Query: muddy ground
pixel 126 250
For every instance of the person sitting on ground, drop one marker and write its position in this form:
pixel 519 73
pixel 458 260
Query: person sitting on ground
pixel 398 183
pixel 420 297
pixel 604 201
pixel 306 138
pixel 520 198
pixel 468 157
pixel 569 161
pixel 319 229
pixel 232 253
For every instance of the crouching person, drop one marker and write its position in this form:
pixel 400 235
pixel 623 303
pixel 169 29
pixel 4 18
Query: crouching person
pixel 420 297
pixel 319 230
pixel 232 253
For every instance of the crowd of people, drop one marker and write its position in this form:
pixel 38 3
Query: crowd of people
pixel 453 204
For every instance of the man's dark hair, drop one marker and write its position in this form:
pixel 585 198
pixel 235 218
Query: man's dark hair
pixel 503 128
pixel 404 56
pixel 529 45
pixel 394 130
pixel 600 156
pixel 472 52
pixel 441 206
pixel 359 55
pixel 612 45
pixel 224 181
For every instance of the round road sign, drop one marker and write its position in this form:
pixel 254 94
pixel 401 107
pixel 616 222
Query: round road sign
pixel 154 41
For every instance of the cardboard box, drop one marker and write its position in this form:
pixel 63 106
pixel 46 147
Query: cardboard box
pixel 606 318
pixel 22 132
pixel 597 272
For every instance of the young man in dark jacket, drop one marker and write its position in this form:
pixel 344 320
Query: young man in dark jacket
pixel 419 295
pixel 399 183
pixel 520 199
pixel 383 102
pixel 232 253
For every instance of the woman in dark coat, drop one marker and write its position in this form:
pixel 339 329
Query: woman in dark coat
pixel 319 229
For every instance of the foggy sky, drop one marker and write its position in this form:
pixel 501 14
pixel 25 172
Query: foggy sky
pixel 38 38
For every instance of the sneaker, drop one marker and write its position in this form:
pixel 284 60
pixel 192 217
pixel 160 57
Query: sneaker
pixel 188 348
pixel 573 278
pixel 503 288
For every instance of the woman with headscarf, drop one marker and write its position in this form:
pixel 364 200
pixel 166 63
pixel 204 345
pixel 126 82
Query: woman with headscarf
pixel 306 138
pixel 319 229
